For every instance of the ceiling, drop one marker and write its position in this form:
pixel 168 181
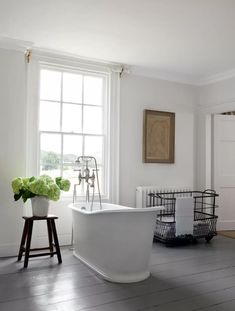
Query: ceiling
pixel 194 39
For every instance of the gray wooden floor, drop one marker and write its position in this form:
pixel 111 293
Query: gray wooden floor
pixel 193 277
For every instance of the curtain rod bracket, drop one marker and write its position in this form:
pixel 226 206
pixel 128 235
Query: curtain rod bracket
pixel 121 72
pixel 28 55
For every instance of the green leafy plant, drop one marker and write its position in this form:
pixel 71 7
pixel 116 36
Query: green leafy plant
pixel 44 185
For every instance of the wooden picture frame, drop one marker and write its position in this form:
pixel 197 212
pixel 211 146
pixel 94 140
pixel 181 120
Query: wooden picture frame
pixel 158 137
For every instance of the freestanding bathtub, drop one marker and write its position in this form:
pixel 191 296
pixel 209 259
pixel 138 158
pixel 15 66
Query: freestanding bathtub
pixel 116 241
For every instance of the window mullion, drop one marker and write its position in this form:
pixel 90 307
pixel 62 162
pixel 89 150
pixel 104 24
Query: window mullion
pixel 82 125
pixel 61 125
pixel 39 154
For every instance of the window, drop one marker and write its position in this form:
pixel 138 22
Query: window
pixel 73 121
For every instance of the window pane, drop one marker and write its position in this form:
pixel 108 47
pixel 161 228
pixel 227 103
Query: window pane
pixel 49 116
pixel 75 112
pixel 92 120
pixel 50 85
pixel 100 176
pixel 72 176
pixel 72 118
pixel 93 87
pixel 50 154
pixel 72 149
pixel 94 147
pixel 72 88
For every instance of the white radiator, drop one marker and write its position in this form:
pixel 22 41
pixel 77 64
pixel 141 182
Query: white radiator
pixel 143 199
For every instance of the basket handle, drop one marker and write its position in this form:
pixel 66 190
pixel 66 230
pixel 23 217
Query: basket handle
pixel 209 191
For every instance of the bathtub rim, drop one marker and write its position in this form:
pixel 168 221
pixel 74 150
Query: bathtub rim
pixel 121 209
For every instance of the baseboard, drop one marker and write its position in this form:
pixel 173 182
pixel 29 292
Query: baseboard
pixel 64 239
pixel 226 225
pixel 8 250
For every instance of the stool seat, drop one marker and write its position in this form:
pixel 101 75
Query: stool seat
pixel 40 218
pixel 27 236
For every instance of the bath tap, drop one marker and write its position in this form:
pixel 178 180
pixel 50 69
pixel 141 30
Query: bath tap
pixel 89 179
pixel 84 174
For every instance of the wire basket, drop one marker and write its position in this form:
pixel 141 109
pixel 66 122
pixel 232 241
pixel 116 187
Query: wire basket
pixel 204 225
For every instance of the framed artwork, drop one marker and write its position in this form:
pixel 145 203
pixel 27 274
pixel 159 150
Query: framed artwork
pixel 159 137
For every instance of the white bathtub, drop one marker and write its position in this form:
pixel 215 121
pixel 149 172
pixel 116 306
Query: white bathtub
pixel 116 241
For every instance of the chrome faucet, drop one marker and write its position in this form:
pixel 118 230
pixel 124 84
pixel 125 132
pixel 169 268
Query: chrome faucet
pixel 89 178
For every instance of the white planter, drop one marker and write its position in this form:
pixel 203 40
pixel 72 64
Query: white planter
pixel 40 206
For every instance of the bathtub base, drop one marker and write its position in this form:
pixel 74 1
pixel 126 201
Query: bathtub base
pixel 115 278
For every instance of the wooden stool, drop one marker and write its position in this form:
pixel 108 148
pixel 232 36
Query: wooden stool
pixel 27 235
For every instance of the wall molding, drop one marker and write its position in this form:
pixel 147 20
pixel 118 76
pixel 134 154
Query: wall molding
pixel 217 77
pixel 9 250
pixel 217 107
pixel 59 56
pixel 14 44
pixel 161 75
pixel 22 46
pixel 225 225
pixel 181 78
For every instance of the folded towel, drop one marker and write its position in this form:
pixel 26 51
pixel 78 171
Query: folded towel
pixel 184 207
pixel 184 215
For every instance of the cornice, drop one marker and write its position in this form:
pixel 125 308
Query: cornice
pixel 69 57
pixel 22 46
pixel 14 44
pixel 225 75
pixel 161 75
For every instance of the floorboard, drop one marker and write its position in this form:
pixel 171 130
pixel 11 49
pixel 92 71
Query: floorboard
pixel 185 278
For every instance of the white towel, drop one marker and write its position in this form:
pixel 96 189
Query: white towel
pixel 184 215
pixel 184 207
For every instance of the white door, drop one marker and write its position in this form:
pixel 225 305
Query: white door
pixel 224 169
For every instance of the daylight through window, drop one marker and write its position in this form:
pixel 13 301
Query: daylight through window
pixel 72 122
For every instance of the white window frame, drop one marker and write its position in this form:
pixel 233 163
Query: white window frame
pixel 105 117
pixel 111 74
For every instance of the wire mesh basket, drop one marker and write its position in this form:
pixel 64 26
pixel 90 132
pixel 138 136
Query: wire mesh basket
pixel 204 224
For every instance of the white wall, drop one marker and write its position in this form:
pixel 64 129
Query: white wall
pixel 13 101
pixel 12 142
pixel 139 93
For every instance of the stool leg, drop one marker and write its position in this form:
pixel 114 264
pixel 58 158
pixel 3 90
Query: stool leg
pixel 22 243
pixel 49 229
pixel 27 250
pixel 57 246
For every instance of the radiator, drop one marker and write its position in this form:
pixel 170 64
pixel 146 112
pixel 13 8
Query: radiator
pixel 143 199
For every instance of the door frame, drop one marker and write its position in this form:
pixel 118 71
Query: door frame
pixel 207 114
